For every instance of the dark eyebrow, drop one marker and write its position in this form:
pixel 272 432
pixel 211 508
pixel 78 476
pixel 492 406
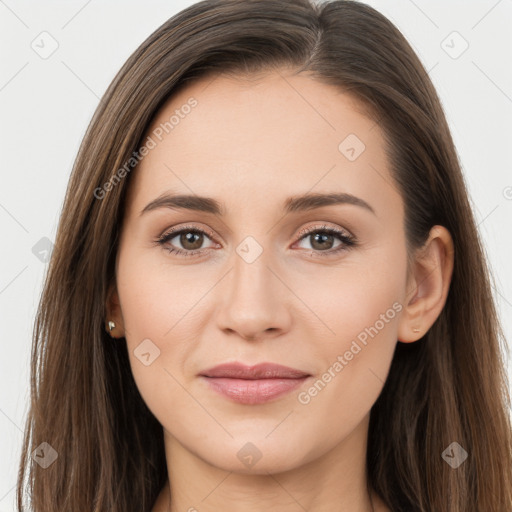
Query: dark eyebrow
pixel 300 203
pixel 311 201
pixel 186 202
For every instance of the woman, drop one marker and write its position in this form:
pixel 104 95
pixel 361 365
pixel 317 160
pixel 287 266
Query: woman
pixel 267 289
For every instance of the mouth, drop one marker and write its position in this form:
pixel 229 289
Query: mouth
pixel 253 385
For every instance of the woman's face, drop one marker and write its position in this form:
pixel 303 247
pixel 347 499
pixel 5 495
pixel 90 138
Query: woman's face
pixel 248 283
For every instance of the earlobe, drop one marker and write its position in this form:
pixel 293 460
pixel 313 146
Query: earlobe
pixel 113 316
pixel 430 282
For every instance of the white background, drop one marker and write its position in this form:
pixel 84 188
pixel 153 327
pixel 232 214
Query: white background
pixel 46 105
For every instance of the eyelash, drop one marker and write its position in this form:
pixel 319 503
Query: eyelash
pixel 348 241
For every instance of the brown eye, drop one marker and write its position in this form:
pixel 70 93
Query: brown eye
pixel 184 242
pixel 191 240
pixel 323 240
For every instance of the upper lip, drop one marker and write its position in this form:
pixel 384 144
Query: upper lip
pixel 259 371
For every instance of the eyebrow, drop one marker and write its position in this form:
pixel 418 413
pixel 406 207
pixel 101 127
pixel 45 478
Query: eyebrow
pixel 301 203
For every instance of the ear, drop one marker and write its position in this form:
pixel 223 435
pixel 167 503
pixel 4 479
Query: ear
pixel 428 283
pixel 114 313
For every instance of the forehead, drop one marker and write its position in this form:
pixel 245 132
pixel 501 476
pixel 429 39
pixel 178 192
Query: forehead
pixel 263 137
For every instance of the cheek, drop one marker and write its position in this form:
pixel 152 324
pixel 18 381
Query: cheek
pixel 362 311
pixel 156 305
pixel 360 295
pixel 157 297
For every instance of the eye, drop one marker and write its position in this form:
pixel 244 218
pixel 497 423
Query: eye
pixel 322 240
pixel 190 238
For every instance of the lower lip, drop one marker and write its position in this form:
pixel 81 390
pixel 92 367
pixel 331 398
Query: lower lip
pixel 253 392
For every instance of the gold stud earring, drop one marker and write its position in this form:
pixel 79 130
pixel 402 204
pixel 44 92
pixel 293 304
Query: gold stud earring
pixel 111 325
pixel 416 329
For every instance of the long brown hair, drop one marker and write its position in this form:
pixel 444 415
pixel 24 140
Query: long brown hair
pixel 450 386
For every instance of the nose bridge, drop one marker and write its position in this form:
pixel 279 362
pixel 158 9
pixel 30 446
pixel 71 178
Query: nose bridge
pixel 251 277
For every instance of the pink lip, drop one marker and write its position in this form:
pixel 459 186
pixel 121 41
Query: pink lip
pixel 253 384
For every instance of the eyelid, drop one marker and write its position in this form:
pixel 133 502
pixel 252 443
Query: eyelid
pixel 303 232
pixel 347 238
pixel 325 227
pixel 187 227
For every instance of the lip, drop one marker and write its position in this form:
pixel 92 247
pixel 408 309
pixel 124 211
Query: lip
pixel 253 384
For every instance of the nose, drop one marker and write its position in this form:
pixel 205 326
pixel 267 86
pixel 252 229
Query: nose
pixel 254 302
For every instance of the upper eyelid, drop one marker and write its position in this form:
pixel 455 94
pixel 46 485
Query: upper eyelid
pixel 304 232
pixel 177 230
pixel 324 227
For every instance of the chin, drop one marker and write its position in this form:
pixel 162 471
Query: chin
pixel 254 457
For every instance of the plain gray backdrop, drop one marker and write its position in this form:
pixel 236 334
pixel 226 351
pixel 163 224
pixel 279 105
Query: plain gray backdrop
pixel 59 57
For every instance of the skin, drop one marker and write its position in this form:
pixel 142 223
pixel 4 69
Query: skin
pixel 251 144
